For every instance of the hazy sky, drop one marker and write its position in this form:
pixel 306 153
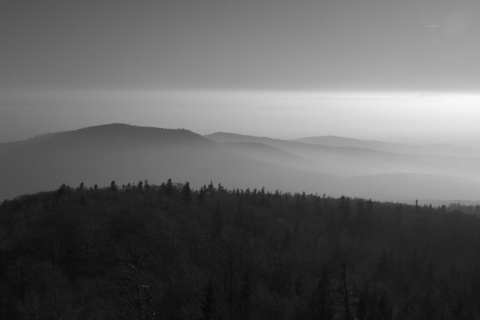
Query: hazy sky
pixel 282 68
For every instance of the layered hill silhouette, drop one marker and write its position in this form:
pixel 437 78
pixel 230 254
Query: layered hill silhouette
pixel 347 157
pixel 425 149
pixel 128 154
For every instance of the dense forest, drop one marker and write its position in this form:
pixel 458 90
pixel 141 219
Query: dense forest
pixel 142 251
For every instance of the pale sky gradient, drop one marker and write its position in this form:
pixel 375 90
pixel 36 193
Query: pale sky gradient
pixel 284 114
pixel 360 68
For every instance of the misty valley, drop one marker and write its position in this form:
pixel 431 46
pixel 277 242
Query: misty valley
pixel 437 174
pixel 125 222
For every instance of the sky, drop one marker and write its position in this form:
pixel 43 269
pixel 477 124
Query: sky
pixel 358 68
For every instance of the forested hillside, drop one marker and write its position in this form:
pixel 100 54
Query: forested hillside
pixel 141 251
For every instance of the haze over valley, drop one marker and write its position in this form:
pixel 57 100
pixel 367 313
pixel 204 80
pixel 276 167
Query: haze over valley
pixel 332 165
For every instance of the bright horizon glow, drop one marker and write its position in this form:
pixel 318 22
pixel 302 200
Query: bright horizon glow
pixel 392 116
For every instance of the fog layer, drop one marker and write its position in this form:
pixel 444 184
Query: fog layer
pixel 128 154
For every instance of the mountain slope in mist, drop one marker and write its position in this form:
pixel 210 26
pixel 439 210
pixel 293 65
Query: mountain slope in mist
pixel 466 150
pixel 335 141
pixel 347 157
pixel 126 154
pixel 98 155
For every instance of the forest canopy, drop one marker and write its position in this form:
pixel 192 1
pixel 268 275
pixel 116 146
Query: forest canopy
pixel 142 251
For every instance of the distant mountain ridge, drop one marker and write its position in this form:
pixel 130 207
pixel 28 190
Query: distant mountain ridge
pixel 126 153
pixel 349 158
pixel 336 141
pixel 224 137
pixel 131 133
pixel 431 149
